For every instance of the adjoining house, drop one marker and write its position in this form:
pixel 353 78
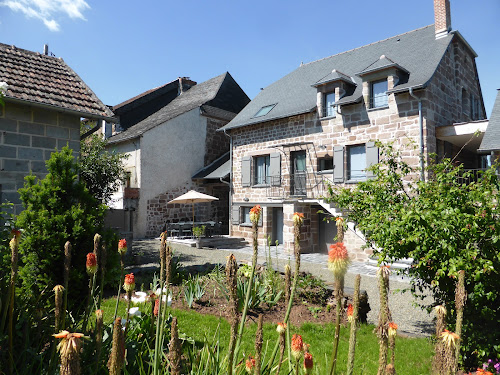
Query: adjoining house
pixel 44 104
pixel 170 136
pixel 490 145
pixel 318 124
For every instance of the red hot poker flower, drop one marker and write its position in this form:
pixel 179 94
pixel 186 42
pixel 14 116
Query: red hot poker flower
pixel 393 329
pixel 129 284
pixel 255 214
pixel 297 346
pixel 350 313
pixel 308 363
pixel 338 259
pixel 122 246
pixel 250 364
pixel 91 264
pixel 298 218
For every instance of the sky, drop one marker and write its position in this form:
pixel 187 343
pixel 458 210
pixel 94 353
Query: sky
pixel 123 48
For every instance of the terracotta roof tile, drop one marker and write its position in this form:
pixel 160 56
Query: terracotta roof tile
pixel 47 80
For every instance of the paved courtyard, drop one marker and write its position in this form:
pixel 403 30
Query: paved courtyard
pixel 411 319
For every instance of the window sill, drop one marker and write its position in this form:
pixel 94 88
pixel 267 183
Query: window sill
pixel 377 108
pixel 246 225
pixel 356 181
pixel 328 117
pixel 326 171
pixel 260 186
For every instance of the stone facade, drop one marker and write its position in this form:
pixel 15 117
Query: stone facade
pixel 28 136
pixel 443 103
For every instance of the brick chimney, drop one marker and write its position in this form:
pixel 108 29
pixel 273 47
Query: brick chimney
pixel 442 18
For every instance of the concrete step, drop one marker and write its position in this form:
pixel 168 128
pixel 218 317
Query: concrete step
pixel 399 264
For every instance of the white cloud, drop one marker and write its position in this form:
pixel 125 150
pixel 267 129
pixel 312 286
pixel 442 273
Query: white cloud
pixel 48 10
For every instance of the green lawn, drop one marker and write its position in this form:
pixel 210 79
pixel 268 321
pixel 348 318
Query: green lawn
pixel 413 355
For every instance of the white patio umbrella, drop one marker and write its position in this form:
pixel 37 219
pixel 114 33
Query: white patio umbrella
pixel 193 197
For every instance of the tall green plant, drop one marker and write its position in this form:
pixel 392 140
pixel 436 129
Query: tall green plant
pixel 448 223
pixel 57 208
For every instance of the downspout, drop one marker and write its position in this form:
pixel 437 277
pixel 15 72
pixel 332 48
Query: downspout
pixel 230 183
pixel 421 129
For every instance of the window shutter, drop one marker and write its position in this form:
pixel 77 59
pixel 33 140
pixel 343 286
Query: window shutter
pixel 338 164
pixel 275 169
pixel 246 163
pixel 371 157
pixel 235 215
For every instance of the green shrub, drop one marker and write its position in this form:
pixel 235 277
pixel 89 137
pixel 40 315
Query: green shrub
pixel 57 209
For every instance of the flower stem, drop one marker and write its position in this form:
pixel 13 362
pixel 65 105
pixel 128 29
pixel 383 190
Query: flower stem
pixel 354 326
pixel 119 288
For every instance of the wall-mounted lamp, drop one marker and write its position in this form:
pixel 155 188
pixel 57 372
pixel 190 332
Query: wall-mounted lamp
pixel 246 199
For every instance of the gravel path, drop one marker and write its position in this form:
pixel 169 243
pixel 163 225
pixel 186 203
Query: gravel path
pixel 411 319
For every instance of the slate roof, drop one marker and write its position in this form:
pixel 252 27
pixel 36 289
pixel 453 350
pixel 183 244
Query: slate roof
pixel 383 62
pixel 203 93
pixel 417 51
pixel 335 75
pixel 219 168
pixel 491 139
pixel 46 80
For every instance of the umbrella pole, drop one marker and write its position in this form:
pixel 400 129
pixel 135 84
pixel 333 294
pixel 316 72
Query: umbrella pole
pixel 193 219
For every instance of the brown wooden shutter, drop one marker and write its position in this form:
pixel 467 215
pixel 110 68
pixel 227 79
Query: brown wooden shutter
pixel 371 157
pixel 246 176
pixel 338 164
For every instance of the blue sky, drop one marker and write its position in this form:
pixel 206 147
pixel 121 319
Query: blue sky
pixel 122 48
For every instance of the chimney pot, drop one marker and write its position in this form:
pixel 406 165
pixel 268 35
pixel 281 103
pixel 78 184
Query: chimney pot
pixel 442 18
pixel 46 49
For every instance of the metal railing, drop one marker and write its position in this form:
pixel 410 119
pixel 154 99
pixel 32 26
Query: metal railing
pixel 298 185
pixel 471 175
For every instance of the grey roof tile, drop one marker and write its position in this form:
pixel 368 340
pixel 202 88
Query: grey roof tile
pixel 198 95
pixel 417 51
pixel 491 139
pixel 47 80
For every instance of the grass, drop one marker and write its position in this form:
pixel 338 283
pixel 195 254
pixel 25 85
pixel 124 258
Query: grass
pixel 413 355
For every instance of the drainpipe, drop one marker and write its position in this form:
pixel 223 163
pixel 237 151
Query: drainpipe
pixel 230 182
pixel 421 129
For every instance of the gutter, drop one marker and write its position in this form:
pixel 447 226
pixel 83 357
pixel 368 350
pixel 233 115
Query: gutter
pixel 421 130
pixel 230 183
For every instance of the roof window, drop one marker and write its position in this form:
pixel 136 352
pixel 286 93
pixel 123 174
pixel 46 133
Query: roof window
pixel 264 110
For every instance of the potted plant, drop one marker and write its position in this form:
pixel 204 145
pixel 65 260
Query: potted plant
pixel 199 232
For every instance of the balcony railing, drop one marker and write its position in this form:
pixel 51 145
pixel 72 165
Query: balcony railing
pixel 471 175
pixel 299 185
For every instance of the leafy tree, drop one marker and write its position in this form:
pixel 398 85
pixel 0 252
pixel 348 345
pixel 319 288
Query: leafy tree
pixel 57 209
pixel 448 223
pixel 100 169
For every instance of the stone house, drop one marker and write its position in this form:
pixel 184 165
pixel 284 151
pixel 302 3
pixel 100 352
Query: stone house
pixel 44 104
pixel 170 136
pixel 318 124
pixel 490 145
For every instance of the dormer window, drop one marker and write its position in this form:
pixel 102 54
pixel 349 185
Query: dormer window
pixel 378 94
pixel 329 104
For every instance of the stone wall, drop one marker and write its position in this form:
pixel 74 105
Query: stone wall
pixel 28 136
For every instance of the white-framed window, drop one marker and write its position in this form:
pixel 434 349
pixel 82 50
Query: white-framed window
pixel 356 163
pixel 261 169
pixel 329 103
pixel 325 164
pixel 245 215
pixel 378 94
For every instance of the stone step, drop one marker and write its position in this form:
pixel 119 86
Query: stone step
pixel 399 264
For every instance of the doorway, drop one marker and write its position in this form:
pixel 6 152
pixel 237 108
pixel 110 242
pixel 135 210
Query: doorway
pixel 327 232
pixel 277 231
pixel 298 178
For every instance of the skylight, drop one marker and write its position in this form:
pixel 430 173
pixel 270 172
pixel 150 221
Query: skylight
pixel 264 110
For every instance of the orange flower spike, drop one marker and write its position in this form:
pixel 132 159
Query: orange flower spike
pixel 91 264
pixel 250 364
pixel 338 259
pixel 122 246
pixel 298 218
pixel 449 338
pixel 297 346
pixel 308 363
pixel 393 329
pixel 157 307
pixel 129 284
pixel 281 327
pixel 350 313
pixel 61 335
pixel 255 213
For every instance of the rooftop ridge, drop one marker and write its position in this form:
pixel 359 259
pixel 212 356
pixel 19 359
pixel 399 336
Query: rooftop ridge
pixel 26 51
pixel 367 45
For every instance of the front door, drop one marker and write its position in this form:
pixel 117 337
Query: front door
pixel 298 180
pixel 277 225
